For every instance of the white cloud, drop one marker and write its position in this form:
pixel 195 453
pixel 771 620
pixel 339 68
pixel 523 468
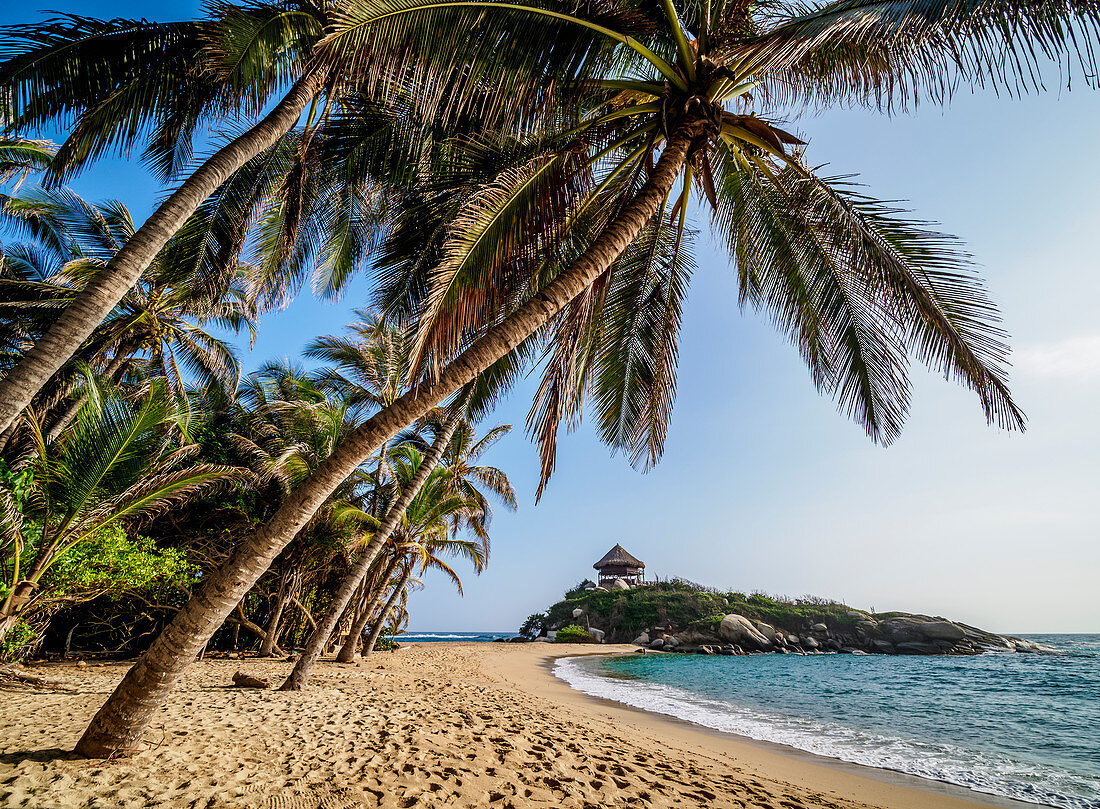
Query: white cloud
pixel 1075 357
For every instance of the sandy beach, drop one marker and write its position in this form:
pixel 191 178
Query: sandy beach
pixel 462 725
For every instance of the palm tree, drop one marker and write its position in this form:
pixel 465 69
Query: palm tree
pixel 856 285
pixel 114 463
pixel 287 427
pixel 467 480
pixel 393 516
pixel 122 80
pixel 163 320
pixel 425 532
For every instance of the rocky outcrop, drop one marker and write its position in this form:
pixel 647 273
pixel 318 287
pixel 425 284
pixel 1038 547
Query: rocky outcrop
pixel 861 634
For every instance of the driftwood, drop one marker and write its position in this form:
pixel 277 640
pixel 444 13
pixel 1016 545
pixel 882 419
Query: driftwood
pixel 10 675
pixel 242 680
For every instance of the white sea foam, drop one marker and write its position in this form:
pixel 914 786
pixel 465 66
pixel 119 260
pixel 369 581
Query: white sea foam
pixel 991 774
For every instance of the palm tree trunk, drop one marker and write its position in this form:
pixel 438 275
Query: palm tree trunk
pixel 268 646
pixel 123 718
pixel 376 630
pixel 347 652
pixel 312 653
pixel 93 303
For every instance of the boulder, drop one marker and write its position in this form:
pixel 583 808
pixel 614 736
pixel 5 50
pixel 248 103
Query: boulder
pixel 578 612
pixel 695 637
pixel 918 648
pixel 767 630
pixel 810 643
pixel 619 584
pixel 596 634
pixel 903 630
pixel 819 628
pixel 739 628
pixel 832 643
pixel 641 640
pixel 657 643
pixel 553 633
pixel 941 630
pixel 883 647
pixel 792 639
pixel 670 642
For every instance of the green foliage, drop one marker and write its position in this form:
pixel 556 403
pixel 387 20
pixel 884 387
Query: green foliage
pixel 385 645
pixel 21 637
pixel 572 634
pixel 533 626
pixel 577 589
pixel 110 562
pixel 683 604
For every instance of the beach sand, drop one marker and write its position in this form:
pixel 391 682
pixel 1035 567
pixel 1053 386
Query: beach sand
pixel 445 724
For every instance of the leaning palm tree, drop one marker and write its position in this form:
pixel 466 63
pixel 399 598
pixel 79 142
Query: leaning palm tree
pixel 424 534
pixel 661 95
pixel 116 462
pixel 162 324
pixel 121 82
pixel 467 479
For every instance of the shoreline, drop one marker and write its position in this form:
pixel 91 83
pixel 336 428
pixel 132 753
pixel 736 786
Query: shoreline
pixel 725 742
pixel 466 725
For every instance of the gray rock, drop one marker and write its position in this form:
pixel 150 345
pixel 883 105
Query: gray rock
pixel 553 633
pixel 809 643
pixel 883 646
pixel 856 652
pixel 641 640
pixel 941 630
pixel 740 629
pixel 767 630
pixel 596 634
pixel 578 612
pixel 671 642
pixel 819 628
pixel 542 639
pixel 657 643
pixel 918 648
pixel 619 584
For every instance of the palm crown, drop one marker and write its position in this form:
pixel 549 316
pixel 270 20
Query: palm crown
pixel 859 287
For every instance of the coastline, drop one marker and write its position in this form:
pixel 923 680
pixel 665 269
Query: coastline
pixel 432 725
pixel 887 788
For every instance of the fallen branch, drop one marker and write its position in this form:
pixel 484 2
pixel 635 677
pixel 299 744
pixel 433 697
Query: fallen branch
pixel 13 676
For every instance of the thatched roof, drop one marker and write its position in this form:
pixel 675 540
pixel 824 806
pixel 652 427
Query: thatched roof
pixel 618 556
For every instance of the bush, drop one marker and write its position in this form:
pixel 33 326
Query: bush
pixel 572 634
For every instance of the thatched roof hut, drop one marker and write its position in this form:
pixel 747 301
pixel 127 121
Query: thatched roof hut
pixel 617 563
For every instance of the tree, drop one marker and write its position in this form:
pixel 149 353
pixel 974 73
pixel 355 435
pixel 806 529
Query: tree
pixel 467 479
pixel 115 463
pixel 163 321
pixel 855 285
pixel 124 79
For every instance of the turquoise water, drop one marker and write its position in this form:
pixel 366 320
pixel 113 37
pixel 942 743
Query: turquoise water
pixel 1017 725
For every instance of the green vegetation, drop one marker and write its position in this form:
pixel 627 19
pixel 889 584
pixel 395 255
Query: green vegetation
pixel 682 605
pixel 572 634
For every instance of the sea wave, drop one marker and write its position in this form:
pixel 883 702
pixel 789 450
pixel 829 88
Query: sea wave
pixel 981 772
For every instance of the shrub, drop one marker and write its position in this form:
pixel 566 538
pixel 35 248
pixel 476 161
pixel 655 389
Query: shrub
pixel 572 634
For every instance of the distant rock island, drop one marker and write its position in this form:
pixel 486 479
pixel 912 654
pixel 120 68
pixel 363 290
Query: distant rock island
pixel 680 616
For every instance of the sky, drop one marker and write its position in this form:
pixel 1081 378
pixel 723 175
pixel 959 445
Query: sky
pixel 764 485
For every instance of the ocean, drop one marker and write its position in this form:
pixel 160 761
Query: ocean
pixel 438 637
pixel 1020 726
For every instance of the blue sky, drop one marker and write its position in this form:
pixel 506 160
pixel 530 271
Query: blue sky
pixel 765 486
